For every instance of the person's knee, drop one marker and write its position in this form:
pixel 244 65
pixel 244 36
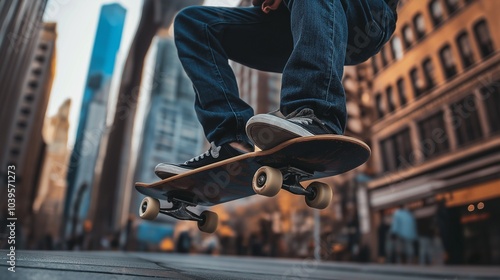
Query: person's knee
pixel 184 15
pixel 187 23
pixel 188 15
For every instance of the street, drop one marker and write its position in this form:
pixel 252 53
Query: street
pixel 124 265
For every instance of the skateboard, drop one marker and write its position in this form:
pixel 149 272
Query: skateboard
pixel 262 172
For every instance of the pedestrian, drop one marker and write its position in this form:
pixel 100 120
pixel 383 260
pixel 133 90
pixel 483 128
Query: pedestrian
pixel 211 245
pixel 183 243
pixel 404 229
pixel 438 252
pixel 309 42
pixel 383 236
pixel 426 232
pixel 450 230
pixel 255 245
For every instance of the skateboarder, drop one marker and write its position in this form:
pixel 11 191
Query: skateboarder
pixel 308 41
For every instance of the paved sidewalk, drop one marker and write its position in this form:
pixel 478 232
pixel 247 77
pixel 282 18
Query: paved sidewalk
pixel 121 265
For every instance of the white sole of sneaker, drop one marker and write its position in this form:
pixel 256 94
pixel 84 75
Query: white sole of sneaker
pixel 164 171
pixel 267 131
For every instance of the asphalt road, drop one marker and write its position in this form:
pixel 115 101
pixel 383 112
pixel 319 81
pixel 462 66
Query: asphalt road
pixel 119 265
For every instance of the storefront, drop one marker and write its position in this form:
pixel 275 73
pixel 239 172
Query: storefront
pixel 478 211
pixel 464 214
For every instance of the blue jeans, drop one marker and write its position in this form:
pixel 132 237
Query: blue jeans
pixel 308 41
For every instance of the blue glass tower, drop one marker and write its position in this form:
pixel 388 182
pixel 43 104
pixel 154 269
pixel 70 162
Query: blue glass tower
pixel 92 121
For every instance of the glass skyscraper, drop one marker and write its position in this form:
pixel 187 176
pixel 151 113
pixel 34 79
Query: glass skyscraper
pixel 92 121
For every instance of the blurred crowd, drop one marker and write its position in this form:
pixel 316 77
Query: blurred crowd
pixel 431 241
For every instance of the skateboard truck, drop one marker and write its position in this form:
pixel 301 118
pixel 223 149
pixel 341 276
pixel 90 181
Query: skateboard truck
pixel 179 210
pixel 268 181
pixel 292 184
pixel 150 207
pixel 292 178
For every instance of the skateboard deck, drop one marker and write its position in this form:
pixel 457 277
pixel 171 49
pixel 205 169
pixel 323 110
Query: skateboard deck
pixel 309 158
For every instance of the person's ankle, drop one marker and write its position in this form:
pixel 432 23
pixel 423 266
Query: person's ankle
pixel 241 146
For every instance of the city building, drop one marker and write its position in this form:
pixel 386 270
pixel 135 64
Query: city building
pixel 92 120
pixel 48 205
pixel 171 130
pixel 259 89
pixel 20 24
pixel 435 138
pixel 25 147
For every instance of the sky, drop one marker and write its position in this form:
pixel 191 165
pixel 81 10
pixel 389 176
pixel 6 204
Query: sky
pixel 76 26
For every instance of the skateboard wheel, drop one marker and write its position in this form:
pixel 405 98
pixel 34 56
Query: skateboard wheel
pixel 149 209
pixel 267 181
pixel 209 221
pixel 322 195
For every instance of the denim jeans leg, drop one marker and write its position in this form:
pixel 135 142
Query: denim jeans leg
pixel 309 41
pixel 312 76
pixel 206 37
pixel 370 25
pixel 323 33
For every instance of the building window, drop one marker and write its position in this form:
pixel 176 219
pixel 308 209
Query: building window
pixel 416 82
pixel 95 81
pixel 483 38
pixel 465 120
pixel 434 140
pixel 390 99
pixel 490 96
pixel 380 106
pixel 402 92
pixel 396 151
pixel 429 73
pixel 33 84
pixel 465 49
pixel 37 71
pixel 40 58
pixel 383 56
pixel 408 37
pixel 450 69
pixel 374 65
pixel 397 48
pixel 26 111
pixel 436 12
pixel 22 124
pixel 452 6
pixel 419 23
pixel 29 97
pixel 388 155
pixel 163 147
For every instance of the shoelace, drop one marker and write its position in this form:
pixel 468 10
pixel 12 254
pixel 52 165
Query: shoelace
pixel 306 116
pixel 213 151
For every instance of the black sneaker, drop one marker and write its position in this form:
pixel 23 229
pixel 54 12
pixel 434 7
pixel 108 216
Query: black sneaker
pixel 213 155
pixel 269 130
